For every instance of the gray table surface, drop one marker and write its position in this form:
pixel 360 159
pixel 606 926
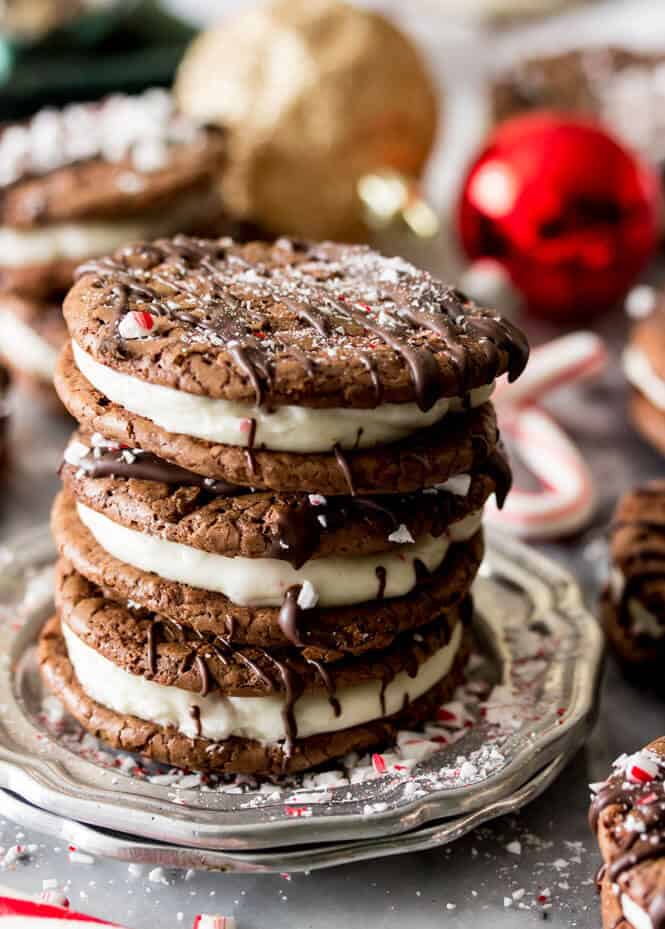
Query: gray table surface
pixel 464 885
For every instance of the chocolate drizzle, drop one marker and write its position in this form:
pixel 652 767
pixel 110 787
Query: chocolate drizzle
pixel 249 451
pixel 144 466
pixel 381 576
pixel 289 614
pixel 639 831
pixel 345 468
pixel 303 519
pixel 223 295
pixel 328 683
pixel 195 713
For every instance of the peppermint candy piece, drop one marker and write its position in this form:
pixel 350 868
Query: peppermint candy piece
pixel 206 921
pixel 642 767
pixel 136 325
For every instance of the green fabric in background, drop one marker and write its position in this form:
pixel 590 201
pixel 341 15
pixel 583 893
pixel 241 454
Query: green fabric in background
pixel 97 55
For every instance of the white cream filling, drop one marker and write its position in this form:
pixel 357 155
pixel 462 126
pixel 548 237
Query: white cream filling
pixel 286 428
pixel 25 348
pixel 85 239
pixel 640 374
pixel 636 916
pixel 249 717
pixel 257 582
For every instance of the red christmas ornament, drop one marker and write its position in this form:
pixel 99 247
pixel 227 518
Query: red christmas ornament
pixel 571 215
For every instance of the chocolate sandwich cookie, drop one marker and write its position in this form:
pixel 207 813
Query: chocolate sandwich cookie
pixel 147 495
pixel 644 368
pixel 32 335
pixel 82 181
pixel 633 604
pixel 459 445
pixel 607 83
pixel 628 817
pixel 318 361
pixel 173 654
pixel 287 731
pixel 359 618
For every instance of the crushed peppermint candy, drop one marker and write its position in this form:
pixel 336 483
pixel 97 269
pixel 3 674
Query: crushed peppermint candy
pixel 642 767
pixel 142 128
pixel 401 535
pixel 308 596
pixel 136 324
pixel 75 452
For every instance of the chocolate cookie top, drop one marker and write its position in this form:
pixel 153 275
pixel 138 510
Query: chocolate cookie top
pixel 318 325
pixel 122 156
pixel 148 494
pixel 176 655
pixel 638 552
pixel 628 816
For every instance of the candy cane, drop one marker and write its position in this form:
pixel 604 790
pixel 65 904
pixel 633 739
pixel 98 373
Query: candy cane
pixel 563 361
pixel 564 497
pixel 20 913
pixel 561 497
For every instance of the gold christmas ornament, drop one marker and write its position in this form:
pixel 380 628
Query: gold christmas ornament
pixel 317 96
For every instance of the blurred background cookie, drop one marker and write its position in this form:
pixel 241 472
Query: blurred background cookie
pixel 633 604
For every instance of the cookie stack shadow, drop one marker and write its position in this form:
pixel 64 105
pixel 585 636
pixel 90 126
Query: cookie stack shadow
pixel 271 510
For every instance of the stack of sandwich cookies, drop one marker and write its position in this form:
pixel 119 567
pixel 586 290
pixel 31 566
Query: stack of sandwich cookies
pixel 644 368
pixel 79 182
pixel 633 604
pixel 271 511
pixel 628 816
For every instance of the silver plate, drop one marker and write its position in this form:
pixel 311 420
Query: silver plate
pixel 550 673
pixel 122 847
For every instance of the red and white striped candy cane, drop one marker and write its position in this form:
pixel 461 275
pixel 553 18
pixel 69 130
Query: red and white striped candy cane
pixel 18 912
pixel 553 492
pixel 571 358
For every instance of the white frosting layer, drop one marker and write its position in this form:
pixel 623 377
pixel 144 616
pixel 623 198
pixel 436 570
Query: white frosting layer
pixel 640 374
pixel 337 580
pixel 248 717
pixel 287 428
pixel 62 241
pixel 636 916
pixel 25 348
